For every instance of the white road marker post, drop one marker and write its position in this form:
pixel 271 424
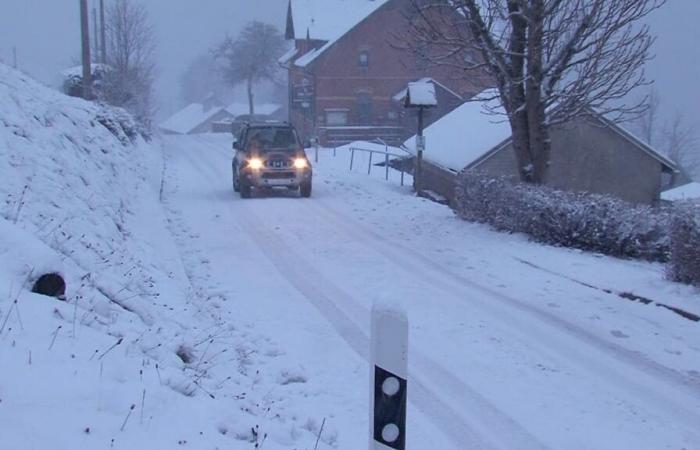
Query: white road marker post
pixel 388 378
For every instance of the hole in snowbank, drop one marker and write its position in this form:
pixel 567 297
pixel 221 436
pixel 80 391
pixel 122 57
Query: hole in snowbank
pixel 52 285
pixel 186 354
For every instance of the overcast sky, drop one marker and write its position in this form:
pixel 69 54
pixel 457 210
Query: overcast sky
pixel 46 34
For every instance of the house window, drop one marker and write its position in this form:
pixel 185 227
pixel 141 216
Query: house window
pixel 363 59
pixel 336 117
pixel 364 109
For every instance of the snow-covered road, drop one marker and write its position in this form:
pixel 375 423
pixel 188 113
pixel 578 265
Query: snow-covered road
pixel 502 353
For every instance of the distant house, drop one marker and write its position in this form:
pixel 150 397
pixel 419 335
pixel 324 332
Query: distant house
pixel 689 191
pixel 589 154
pixel 346 71
pixel 271 111
pixel 196 118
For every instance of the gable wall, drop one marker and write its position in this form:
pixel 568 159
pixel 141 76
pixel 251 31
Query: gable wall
pixel 587 156
pixel 338 77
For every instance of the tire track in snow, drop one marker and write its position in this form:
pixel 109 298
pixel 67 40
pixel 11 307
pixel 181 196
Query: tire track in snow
pixel 452 283
pixel 502 430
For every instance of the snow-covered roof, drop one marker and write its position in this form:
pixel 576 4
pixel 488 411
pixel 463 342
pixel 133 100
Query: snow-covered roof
pixel 690 191
pixel 327 20
pixel 189 118
pixel 461 137
pixel 284 59
pixel 421 93
pixel 242 108
pixel 402 93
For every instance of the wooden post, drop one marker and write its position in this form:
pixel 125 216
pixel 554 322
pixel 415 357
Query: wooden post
pixel 14 57
pixel 95 37
pixel 352 157
pixel 103 34
pixel 85 42
pixel 369 166
pixel 418 172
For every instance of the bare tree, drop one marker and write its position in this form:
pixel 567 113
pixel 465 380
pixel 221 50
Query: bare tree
pixel 201 78
pixel 674 137
pixel 130 43
pixel 551 60
pixel 681 144
pixel 252 57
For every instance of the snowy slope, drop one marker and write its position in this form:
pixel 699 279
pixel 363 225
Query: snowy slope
pixel 102 370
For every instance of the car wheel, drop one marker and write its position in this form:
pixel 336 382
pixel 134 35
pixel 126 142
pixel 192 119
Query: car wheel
pixel 305 189
pixel 235 183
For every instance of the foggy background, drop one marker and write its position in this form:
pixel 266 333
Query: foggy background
pixel 46 35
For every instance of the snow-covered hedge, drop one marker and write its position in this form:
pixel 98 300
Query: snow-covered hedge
pixel 685 244
pixel 585 221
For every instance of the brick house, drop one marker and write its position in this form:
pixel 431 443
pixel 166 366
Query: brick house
pixel 346 71
pixel 589 154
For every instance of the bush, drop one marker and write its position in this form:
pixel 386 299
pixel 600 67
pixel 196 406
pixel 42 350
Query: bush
pixel 685 244
pixel 591 222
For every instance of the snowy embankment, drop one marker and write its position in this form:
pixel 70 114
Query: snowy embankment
pixel 124 362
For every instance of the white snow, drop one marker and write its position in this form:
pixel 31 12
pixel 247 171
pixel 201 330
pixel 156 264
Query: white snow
pixel 77 71
pixel 512 344
pixel 421 93
pixel 689 191
pixel 189 118
pixel 465 134
pixel 401 95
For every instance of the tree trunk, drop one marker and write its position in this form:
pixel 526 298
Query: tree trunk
pixel 538 135
pixel 251 104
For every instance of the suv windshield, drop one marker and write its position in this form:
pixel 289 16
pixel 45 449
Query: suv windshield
pixel 272 138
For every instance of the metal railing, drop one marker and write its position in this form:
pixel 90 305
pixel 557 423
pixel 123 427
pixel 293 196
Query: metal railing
pixel 386 153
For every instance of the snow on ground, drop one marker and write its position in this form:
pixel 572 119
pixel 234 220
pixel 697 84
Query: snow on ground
pixel 513 344
pixel 195 319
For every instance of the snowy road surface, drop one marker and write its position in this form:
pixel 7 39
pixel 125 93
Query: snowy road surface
pixel 506 351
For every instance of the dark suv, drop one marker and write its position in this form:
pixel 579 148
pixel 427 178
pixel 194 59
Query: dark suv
pixel 270 155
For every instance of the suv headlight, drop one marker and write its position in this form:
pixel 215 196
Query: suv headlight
pixel 255 163
pixel 301 163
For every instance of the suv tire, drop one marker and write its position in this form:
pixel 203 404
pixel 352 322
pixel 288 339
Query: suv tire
pixel 305 189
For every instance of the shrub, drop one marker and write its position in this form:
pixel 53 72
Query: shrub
pixel 585 221
pixel 685 244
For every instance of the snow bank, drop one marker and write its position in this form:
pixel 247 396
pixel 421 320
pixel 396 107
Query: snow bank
pixel 80 197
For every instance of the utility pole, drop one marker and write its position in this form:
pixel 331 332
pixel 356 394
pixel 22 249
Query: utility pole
pixel 95 36
pixel 103 34
pixel 85 43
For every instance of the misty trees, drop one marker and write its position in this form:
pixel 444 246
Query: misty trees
pixel 551 60
pixel 674 136
pixel 130 45
pixel 251 57
pixel 201 78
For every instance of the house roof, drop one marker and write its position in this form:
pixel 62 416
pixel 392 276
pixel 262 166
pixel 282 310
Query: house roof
pixel 236 109
pixel 690 191
pixel 461 137
pixel 327 20
pixel 189 118
pixel 477 129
